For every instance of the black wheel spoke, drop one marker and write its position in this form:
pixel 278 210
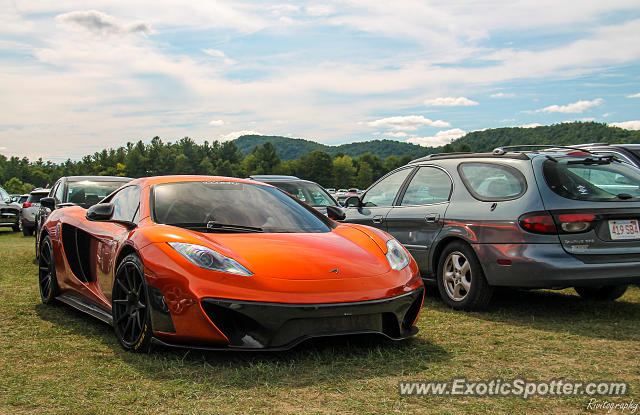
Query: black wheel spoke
pixel 126 290
pixel 121 318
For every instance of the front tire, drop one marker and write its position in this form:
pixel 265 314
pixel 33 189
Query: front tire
pixel 602 293
pixel 460 278
pixel 47 279
pixel 130 306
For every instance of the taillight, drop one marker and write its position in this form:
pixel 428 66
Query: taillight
pixel 576 222
pixel 26 205
pixel 538 222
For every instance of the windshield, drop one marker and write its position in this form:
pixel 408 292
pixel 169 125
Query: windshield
pixel 35 197
pixel 87 193
pixel 588 180
pixel 310 193
pixel 209 206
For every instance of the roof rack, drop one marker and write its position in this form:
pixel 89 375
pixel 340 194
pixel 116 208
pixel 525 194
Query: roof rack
pixel 502 150
pixel 430 156
pixel 590 144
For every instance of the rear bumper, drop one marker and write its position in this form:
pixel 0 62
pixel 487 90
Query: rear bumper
pixel 255 325
pixel 549 266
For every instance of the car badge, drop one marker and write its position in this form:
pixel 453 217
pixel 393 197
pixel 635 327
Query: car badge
pixel 334 270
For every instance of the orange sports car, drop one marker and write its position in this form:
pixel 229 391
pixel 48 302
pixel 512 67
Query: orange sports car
pixel 224 263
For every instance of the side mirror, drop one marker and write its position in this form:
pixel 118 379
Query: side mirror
pixel 48 202
pixel 335 213
pixel 100 212
pixel 353 201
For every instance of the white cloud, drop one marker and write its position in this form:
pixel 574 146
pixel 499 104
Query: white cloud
pixel 441 138
pixel 503 95
pixel 449 102
pixel 627 125
pixel 532 125
pixel 408 122
pixel 574 108
pixel 320 10
pixel 100 23
pixel 216 123
pixel 219 54
pixel 235 134
pixel 634 95
pixel 399 134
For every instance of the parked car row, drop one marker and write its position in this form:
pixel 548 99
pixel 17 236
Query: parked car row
pixel 246 264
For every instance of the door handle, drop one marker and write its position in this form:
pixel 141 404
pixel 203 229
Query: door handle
pixel 377 219
pixel 432 218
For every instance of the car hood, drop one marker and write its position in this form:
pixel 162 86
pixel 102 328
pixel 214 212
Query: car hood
pixel 346 252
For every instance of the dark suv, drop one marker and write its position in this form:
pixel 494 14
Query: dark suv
pixel 305 190
pixel 551 218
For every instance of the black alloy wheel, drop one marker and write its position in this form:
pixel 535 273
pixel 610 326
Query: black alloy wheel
pixel 131 318
pixel 47 272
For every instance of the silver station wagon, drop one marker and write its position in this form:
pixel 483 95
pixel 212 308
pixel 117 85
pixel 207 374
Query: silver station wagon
pixel 537 218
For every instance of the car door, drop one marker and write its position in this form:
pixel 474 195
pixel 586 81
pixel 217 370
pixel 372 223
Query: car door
pixel 111 236
pixel 417 216
pixel 378 200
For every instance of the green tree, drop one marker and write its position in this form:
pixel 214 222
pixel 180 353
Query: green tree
pixel 365 175
pixel 344 172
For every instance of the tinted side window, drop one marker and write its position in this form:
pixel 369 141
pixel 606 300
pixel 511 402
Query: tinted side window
pixel 492 182
pixel 59 194
pixel 383 192
pixel 126 204
pixel 429 185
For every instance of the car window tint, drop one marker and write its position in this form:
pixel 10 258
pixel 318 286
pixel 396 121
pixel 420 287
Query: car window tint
pixel 126 203
pixel 35 197
pixel 309 193
pixel 492 182
pixel 59 194
pixel 234 203
pixel 384 192
pixel 429 185
pixel 598 182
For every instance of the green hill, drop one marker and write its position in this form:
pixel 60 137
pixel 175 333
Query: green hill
pixel 487 140
pixel 292 148
pixel 557 134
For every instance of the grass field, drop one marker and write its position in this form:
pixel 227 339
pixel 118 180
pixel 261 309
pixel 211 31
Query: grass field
pixel 56 360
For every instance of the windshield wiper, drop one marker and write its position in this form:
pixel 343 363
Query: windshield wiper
pixel 216 227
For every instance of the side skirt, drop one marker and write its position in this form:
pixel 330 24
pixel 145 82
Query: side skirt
pixel 86 307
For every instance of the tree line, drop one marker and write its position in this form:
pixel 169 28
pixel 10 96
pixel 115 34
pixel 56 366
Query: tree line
pixel 20 175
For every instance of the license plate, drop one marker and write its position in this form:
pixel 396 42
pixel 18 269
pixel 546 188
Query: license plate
pixel 624 229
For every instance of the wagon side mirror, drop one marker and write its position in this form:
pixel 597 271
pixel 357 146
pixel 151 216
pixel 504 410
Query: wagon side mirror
pixel 353 201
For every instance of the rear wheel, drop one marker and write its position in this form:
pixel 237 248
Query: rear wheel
pixel 602 293
pixel 26 231
pixel 131 318
pixel 461 281
pixel 47 272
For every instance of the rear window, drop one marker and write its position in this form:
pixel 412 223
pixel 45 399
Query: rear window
pixel 35 197
pixel 595 181
pixel 310 193
pixel 87 192
pixel 492 182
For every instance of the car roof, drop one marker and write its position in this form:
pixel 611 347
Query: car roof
pixel 143 181
pixel 274 177
pixel 98 178
pixel 39 191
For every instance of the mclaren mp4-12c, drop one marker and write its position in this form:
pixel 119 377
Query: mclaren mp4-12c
pixel 223 263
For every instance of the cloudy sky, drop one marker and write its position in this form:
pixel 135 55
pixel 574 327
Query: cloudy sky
pixel 76 77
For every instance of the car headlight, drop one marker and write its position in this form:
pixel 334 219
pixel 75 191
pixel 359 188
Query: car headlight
pixel 209 259
pixel 396 255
